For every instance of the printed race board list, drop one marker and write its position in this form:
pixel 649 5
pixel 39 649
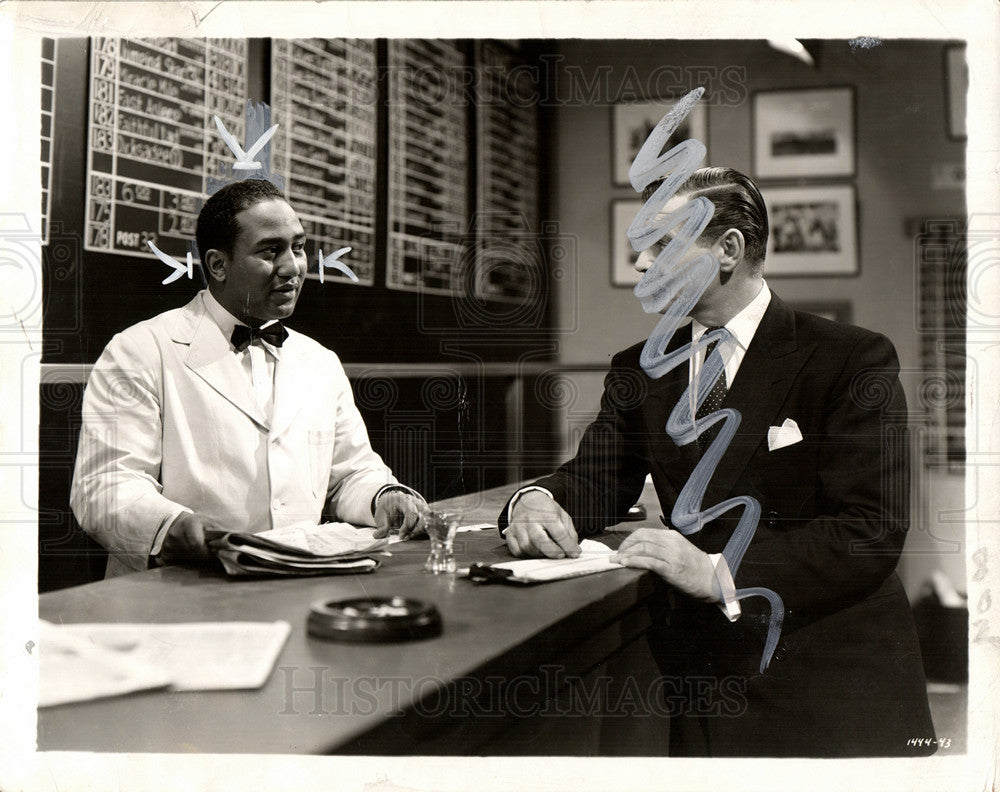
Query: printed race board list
pixel 324 99
pixel 152 140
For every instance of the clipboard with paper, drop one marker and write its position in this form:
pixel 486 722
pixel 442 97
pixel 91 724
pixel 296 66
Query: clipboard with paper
pixel 594 558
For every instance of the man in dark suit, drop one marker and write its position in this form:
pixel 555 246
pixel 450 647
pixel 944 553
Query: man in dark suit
pixel 822 447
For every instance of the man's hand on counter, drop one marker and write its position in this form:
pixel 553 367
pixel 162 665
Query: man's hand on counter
pixel 540 528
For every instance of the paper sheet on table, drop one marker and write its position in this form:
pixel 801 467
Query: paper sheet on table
pixel 594 557
pixel 73 668
pixel 326 539
pixel 80 662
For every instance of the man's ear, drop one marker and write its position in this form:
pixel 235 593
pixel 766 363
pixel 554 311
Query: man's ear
pixel 732 246
pixel 215 264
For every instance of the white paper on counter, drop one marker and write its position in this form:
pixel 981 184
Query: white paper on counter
pixel 80 662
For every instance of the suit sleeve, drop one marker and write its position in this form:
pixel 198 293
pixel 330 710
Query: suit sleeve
pixel 116 493
pixel 854 542
pixel 357 472
pixel 599 485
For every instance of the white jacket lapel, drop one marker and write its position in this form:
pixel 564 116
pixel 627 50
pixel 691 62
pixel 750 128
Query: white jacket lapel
pixel 210 357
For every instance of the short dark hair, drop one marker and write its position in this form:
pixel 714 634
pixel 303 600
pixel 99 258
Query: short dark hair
pixel 738 204
pixel 217 227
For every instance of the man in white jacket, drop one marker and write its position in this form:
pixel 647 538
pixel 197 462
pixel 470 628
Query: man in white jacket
pixel 215 416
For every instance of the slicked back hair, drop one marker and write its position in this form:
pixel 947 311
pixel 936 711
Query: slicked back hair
pixel 738 204
pixel 217 226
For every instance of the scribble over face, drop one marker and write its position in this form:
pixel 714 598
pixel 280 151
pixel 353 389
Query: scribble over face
pixel 678 262
pixel 267 266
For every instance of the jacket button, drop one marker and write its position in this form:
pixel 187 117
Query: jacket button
pixel 772 519
pixel 276 505
pixel 780 653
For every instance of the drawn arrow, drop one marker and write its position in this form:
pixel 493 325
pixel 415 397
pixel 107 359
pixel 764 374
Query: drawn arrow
pixel 331 261
pixel 179 268
pixel 244 159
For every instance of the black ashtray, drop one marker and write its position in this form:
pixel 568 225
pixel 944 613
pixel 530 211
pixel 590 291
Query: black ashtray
pixel 373 620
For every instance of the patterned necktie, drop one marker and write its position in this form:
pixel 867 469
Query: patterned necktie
pixel 714 400
pixel 274 333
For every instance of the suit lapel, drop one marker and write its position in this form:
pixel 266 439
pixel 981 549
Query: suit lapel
pixel 676 461
pixel 210 357
pixel 766 374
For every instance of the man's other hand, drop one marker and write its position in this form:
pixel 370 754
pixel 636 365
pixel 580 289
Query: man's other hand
pixel 540 528
pixel 185 540
pixel 673 557
pixel 399 509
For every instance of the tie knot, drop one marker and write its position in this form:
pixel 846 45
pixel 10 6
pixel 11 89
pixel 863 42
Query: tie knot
pixel 714 342
pixel 274 333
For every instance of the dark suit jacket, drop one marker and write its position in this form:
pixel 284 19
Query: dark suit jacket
pixel 846 678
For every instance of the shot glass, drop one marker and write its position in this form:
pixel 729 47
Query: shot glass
pixel 441 530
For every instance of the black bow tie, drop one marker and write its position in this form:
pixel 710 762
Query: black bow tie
pixel 275 334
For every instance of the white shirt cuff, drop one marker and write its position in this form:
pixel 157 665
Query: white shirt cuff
pixel 724 587
pixel 517 496
pixel 161 535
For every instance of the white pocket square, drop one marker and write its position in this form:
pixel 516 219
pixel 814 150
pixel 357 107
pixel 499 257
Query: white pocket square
pixel 785 435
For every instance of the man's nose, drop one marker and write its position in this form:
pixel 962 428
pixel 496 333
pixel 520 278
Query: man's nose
pixel 289 265
pixel 645 261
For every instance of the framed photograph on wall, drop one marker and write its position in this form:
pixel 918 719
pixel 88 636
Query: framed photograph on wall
pixel 623 257
pixel 632 123
pixel 813 231
pixel 807 133
pixel 956 75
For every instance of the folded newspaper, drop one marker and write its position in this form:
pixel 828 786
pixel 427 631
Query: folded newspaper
pixel 301 549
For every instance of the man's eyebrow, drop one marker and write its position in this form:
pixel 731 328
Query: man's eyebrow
pixel 279 240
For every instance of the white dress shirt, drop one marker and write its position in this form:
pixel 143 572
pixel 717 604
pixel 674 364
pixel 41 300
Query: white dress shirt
pixel 258 359
pixel 742 327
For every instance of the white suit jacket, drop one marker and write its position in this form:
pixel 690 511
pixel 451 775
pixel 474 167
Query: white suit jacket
pixel 171 423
